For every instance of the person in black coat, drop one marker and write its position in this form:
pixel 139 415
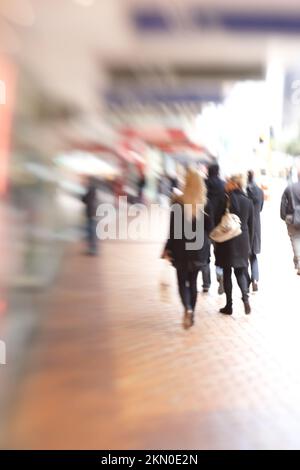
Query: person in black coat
pixel 257 197
pixel 190 213
pixel 91 202
pixel 141 186
pixel 215 187
pixel 215 194
pixel 234 253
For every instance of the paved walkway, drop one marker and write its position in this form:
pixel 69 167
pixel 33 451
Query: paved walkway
pixel 112 367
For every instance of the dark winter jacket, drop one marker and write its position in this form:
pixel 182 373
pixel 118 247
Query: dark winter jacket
pixel 215 192
pixel 287 207
pixel 177 248
pixel 257 197
pixel 90 201
pixel 235 252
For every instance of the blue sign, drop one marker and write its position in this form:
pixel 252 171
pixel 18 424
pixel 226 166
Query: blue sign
pixel 162 97
pixel 156 20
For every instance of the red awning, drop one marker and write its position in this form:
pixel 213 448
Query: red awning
pixel 167 140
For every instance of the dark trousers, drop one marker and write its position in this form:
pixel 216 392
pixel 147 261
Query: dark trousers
pixel 254 268
pixel 187 286
pixel 241 275
pixel 91 235
pixel 206 276
pixel 219 270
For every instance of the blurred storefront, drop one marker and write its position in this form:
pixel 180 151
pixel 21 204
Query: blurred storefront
pixel 34 183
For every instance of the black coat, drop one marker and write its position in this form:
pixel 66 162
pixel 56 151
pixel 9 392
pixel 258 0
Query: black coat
pixel 287 206
pixel 235 252
pixel 257 197
pixel 215 193
pixel 181 256
pixel 90 201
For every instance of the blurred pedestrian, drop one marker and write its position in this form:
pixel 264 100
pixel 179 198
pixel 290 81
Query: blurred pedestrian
pixel 256 195
pixel 173 182
pixel 189 212
pixel 141 185
pixel 234 253
pixel 91 203
pixel 215 194
pixel 290 213
pixel 164 190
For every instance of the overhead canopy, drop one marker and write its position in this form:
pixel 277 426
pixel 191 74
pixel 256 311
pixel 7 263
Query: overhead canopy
pixel 167 140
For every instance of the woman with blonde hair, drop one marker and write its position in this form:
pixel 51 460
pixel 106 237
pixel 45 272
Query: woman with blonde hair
pixel 234 253
pixel 188 245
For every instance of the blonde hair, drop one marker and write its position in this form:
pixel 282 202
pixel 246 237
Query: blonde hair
pixel 194 192
pixel 238 181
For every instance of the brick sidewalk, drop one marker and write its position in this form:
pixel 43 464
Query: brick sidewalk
pixel 113 368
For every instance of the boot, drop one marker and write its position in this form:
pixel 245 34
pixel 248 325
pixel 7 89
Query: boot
pixel 227 310
pixel 188 319
pixel 221 285
pixel 247 307
pixel 254 286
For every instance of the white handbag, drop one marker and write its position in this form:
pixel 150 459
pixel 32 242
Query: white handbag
pixel 228 228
